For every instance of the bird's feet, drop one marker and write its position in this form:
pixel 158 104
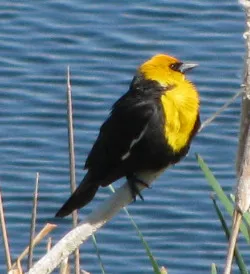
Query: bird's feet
pixel 133 187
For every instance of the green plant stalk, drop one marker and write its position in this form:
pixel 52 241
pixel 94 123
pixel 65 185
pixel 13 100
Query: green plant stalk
pixel 213 269
pixel 220 193
pixel 98 254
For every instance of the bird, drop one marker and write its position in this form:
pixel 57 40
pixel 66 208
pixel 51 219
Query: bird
pixel 149 128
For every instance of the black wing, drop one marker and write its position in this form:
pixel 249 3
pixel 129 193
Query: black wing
pixel 124 128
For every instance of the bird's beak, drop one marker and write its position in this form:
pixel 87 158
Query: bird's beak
pixel 186 67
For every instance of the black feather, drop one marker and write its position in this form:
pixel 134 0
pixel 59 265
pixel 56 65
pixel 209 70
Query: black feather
pixel 81 197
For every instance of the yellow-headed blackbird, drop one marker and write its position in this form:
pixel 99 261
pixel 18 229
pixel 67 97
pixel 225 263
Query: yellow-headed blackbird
pixel 149 128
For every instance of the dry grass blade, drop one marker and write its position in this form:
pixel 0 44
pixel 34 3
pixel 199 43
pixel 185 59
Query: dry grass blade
pixel 77 261
pixel 19 267
pixel 14 271
pixel 71 139
pixel 64 267
pixel 72 161
pixel 44 232
pixel 49 244
pixel 17 270
pixel 220 110
pixel 84 272
pixel 5 235
pixel 232 242
pixel 33 222
pixel 164 270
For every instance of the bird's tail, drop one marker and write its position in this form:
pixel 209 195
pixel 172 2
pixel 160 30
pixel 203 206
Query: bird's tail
pixel 81 197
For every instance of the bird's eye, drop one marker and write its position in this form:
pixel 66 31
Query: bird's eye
pixel 176 66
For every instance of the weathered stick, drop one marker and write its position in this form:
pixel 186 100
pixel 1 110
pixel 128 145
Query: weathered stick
pixel 5 235
pixel 72 161
pixel 242 196
pixel 33 223
pixel 64 266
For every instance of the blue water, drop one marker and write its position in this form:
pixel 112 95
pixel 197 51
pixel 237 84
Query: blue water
pixel 103 43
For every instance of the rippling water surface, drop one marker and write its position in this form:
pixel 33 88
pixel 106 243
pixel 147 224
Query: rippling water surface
pixel 104 42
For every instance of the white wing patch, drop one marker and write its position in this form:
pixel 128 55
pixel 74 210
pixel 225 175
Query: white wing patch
pixel 134 141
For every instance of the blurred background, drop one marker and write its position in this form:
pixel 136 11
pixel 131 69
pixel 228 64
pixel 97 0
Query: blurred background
pixel 103 43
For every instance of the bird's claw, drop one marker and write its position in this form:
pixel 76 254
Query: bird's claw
pixel 132 182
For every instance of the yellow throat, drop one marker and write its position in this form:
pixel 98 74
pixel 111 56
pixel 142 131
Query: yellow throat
pixel 181 107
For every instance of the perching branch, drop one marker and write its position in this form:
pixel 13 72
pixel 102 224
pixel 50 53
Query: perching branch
pixel 92 223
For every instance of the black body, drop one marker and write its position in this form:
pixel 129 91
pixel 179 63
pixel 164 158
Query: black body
pixel 131 140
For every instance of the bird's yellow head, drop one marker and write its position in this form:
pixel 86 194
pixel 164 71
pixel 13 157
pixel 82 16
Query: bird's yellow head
pixel 178 96
pixel 165 69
